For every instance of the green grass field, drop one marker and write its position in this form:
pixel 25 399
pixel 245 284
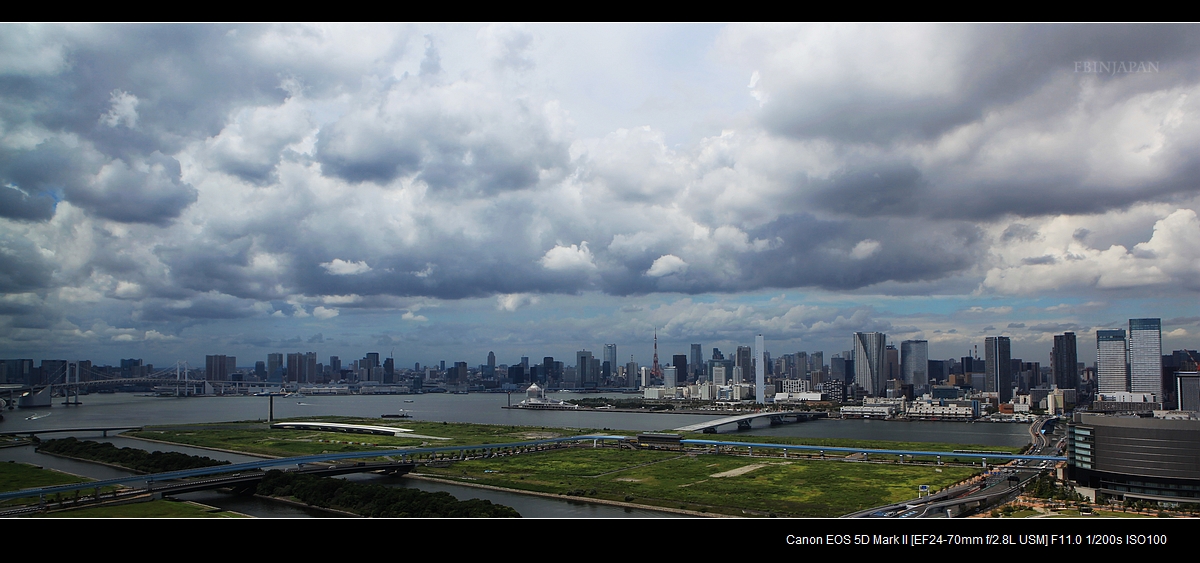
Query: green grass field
pixel 150 509
pixel 259 438
pixel 736 485
pixel 16 476
pixel 727 484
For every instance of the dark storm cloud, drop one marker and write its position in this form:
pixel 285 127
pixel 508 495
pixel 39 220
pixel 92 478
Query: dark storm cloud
pixel 1070 195
pixel 458 137
pixel 807 251
pixel 22 267
pixel 16 204
pixel 217 267
pixel 200 307
pixel 130 195
pixel 183 81
pixel 1018 232
pixel 29 179
pixel 471 270
pixel 873 190
pixel 985 66
pixel 820 253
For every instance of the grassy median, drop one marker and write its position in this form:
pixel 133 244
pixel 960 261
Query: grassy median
pixel 715 483
pixel 724 484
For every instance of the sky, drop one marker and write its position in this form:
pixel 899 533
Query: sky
pixel 438 191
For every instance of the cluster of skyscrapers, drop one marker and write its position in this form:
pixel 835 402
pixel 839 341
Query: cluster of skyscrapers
pixel 1130 362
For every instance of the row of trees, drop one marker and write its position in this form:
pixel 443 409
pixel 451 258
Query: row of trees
pixel 377 501
pixel 130 458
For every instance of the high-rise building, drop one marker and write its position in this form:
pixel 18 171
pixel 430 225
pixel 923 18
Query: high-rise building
pixel 892 362
pixel 718 374
pixel 869 357
pixel 1187 391
pixel 458 375
pixel 998 367
pixel 681 367
pixel 610 356
pixel 743 359
pixel 216 368
pixel 1111 372
pixel 914 363
pixel 1064 360
pixel 583 369
pixel 669 376
pixel 1145 356
pixel 760 371
pixel 837 368
pixel 275 368
pixel 295 368
pixel 311 375
pixel 18 371
pixel 696 361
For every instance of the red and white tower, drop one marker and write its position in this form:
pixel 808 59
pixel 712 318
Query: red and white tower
pixel 656 370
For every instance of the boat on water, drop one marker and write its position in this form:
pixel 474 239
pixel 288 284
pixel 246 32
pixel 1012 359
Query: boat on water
pixel 408 400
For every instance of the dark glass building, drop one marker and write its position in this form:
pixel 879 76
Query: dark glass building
pixel 1065 356
pixel 1131 457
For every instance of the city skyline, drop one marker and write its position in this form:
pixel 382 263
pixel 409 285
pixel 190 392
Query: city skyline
pixel 450 190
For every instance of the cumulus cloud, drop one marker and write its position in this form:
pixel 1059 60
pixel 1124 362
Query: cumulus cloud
pixel 123 110
pixel 864 249
pixel 460 137
pixel 513 301
pixel 339 267
pixel 145 191
pixel 323 313
pixel 255 138
pixel 281 172
pixel 666 265
pixel 1169 257
pixel 569 258
pixel 508 45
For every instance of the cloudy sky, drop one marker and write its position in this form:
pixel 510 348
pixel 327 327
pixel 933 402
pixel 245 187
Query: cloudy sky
pixel 439 191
